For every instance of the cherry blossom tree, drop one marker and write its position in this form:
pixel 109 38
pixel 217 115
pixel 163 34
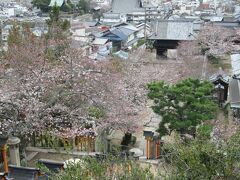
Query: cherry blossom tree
pixel 57 96
pixel 212 40
pixel 188 48
pixel 216 40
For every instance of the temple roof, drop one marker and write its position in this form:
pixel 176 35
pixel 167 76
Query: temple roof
pixel 173 30
pixel 220 75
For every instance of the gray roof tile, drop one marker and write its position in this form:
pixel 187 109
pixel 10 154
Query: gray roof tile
pixel 173 30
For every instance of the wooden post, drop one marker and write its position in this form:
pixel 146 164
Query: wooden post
pixel 88 147
pixel 158 143
pixel 84 144
pixel 74 142
pixel 34 139
pixel 81 143
pixel 147 149
pixel 156 150
pixel 159 148
pixel 149 141
pixel 93 144
pixel 5 159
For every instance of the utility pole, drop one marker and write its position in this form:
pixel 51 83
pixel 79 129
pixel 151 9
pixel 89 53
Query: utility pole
pixel 145 24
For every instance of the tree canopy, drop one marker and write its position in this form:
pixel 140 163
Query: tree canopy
pixel 68 95
pixel 57 26
pixel 183 106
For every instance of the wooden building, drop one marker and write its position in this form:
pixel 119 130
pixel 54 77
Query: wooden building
pixel 168 33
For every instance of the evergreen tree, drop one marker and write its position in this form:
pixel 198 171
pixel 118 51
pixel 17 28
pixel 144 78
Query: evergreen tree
pixel 183 106
pixel 58 28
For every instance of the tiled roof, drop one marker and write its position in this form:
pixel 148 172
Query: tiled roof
pixel 22 173
pixel 99 41
pixel 111 15
pixel 122 31
pixel 173 30
pixel 119 33
pixel 126 31
pixel 220 75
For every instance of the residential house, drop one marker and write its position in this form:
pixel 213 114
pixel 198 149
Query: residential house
pixel 126 7
pixel 101 48
pixel 130 11
pixel 112 18
pixel 82 31
pixel 131 32
pixel 82 35
pixel 12 9
pixel 115 36
pixel 122 36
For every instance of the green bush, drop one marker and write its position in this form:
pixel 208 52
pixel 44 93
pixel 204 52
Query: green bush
pixel 204 131
pixel 106 169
